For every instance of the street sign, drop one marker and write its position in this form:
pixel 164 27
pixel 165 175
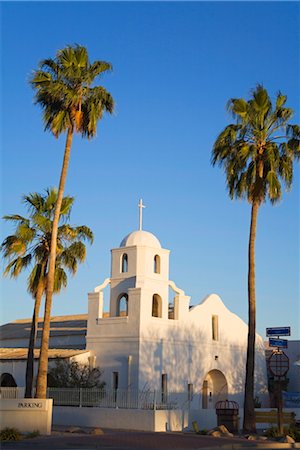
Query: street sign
pixel 280 343
pixel 278 364
pixel 278 331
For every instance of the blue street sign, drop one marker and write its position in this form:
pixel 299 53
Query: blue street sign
pixel 280 343
pixel 279 331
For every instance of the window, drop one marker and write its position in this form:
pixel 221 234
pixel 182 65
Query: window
pixel 156 306
pixel 123 305
pixel 205 395
pixel 124 264
pixel 115 380
pixel 215 328
pixel 190 391
pixel 156 267
pixel 115 384
pixel 164 387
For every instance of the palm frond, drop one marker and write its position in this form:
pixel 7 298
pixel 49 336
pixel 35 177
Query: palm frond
pixel 60 279
pixel 17 265
pixel 85 233
pixel 16 218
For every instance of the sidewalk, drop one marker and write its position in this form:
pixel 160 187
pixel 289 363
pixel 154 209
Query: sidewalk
pixel 127 440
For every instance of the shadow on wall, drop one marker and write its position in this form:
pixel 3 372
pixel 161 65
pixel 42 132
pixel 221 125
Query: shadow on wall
pixel 204 370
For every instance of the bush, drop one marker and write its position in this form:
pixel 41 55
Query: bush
pixel 10 434
pixel 71 374
pixel 33 434
pixel 295 434
pixel 274 433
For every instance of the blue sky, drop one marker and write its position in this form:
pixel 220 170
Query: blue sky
pixel 175 67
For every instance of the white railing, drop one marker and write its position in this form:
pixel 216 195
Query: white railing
pixel 120 398
pixel 11 392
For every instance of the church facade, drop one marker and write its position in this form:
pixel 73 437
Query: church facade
pixel 147 342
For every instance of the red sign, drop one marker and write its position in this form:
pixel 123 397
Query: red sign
pixel 278 364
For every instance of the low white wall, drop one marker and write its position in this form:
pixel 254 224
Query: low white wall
pixel 26 414
pixel 127 419
pixel 205 418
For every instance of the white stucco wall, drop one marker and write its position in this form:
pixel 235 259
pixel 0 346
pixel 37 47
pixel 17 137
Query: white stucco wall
pixel 132 419
pixel 183 349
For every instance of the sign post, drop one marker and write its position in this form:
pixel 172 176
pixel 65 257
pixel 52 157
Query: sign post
pixel 278 364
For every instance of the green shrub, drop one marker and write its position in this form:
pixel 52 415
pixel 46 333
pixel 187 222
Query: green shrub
pixel 203 432
pixel 295 434
pixel 33 434
pixel 292 431
pixel 10 434
pixel 272 432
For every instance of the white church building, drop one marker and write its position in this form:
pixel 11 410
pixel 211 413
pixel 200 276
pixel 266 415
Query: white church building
pixel 190 357
pixel 147 343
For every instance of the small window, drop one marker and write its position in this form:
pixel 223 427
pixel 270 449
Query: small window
pixel 215 328
pixel 123 305
pixel 164 387
pixel 190 391
pixel 115 380
pixel 124 264
pixel 205 395
pixel 156 306
pixel 156 264
pixel 115 384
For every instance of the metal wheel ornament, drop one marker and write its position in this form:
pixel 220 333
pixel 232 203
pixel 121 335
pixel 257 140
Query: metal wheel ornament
pixel 278 364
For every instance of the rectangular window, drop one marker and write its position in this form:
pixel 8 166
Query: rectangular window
pixel 164 387
pixel 205 395
pixel 115 384
pixel 215 328
pixel 115 380
pixel 190 391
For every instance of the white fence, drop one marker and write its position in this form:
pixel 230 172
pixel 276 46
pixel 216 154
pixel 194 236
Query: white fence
pixel 129 399
pixel 11 392
pixel 120 398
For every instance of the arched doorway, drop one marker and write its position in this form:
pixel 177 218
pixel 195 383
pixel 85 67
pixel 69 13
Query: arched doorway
pixel 7 380
pixel 214 388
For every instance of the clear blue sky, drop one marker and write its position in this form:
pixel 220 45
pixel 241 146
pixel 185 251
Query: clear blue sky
pixel 175 67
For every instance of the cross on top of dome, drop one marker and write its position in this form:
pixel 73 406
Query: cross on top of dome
pixel 141 206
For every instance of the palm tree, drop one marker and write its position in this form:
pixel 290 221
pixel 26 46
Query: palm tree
pixel 70 105
pixel 30 245
pixel 257 153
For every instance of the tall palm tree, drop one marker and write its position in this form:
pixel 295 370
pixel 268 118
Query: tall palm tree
pixel 257 153
pixel 30 245
pixel 70 105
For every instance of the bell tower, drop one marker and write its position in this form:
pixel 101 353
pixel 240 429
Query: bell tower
pixel 139 272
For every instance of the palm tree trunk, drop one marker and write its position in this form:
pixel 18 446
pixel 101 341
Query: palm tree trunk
pixel 41 389
pixel 32 339
pixel 249 412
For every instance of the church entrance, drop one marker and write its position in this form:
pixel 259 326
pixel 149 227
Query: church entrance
pixel 214 388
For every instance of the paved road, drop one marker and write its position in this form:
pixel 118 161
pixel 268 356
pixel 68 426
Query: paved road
pixel 125 440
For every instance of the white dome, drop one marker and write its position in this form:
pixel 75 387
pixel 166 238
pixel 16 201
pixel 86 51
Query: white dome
pixel 142 238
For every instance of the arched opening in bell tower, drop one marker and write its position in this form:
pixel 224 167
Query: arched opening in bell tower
pixel 124 263
pixel 156 306
pixel 156 264
pixel 122 309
